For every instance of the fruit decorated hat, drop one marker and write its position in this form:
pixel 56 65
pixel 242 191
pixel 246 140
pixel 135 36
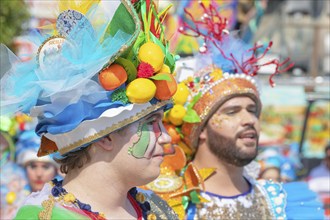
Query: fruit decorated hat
pixel 100 67
pixel 225 67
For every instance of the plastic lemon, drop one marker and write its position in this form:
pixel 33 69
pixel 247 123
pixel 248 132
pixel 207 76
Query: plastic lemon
pixel 140 90
pixel 165 69
pixel 216 74
pixel 176 114
pixel 10 197
pixel 181 95
pixel 152 53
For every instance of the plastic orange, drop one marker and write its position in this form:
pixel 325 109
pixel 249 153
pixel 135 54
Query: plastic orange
pixel 165 89
pixel 112 77
pixel 176 161
pixel 173 133
pixel 187 150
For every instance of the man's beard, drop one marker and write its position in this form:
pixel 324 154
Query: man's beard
pixel 226 150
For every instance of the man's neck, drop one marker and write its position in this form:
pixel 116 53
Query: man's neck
pixel 228 179
pixel 102 190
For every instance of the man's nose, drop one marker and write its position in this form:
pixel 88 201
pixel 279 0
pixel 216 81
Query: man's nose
pixel 248 118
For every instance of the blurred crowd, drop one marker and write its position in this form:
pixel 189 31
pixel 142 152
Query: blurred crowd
pixel 22 172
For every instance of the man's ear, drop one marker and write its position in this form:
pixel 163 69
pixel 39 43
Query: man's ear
pixel 203 134
pixel 106 143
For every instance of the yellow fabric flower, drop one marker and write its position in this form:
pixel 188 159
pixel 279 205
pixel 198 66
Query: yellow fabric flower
pixel 151 217
pixel 69 198
pixel 140 197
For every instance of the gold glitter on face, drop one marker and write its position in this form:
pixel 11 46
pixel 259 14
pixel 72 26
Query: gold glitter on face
pixel 218 119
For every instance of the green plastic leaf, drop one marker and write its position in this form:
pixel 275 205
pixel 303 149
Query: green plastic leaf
pixel 133 54
pixel 191 116
pixel 195 99
pixel 169 58
pixel 145 20
pixel 161 76
pixel 157 41
pixel 122 20
pixel 178 129
pixel 185 202
pixel 194 197
pixel 129 68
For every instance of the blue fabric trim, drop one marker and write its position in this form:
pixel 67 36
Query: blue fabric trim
pixel 191 211
pixel 73 115
pixel 232 197
pixel 277 198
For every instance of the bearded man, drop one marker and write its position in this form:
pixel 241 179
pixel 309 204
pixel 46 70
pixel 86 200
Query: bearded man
pixel 219 129
pixel 226 138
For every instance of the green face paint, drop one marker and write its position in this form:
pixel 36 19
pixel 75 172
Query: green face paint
pixel 141 145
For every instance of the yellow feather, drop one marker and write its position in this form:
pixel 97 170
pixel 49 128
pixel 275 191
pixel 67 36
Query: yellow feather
pixel 165 11
pixel 206 172
pixel 81 6
pixel 202 199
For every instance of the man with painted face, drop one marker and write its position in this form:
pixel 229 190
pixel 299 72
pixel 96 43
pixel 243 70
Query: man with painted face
pixel 220 127
pixel 99 104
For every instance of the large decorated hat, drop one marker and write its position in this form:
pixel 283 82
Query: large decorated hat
pixel 225 67
pixel 102 66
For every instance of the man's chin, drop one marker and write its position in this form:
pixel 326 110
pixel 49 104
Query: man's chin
pixel 241 162
pixel 247 156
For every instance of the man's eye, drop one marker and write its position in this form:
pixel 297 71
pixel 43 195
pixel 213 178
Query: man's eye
pixel 254 111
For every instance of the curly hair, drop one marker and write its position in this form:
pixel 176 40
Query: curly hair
pixel 74 160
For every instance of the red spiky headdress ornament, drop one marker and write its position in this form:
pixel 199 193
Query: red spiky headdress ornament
pixel 212 28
